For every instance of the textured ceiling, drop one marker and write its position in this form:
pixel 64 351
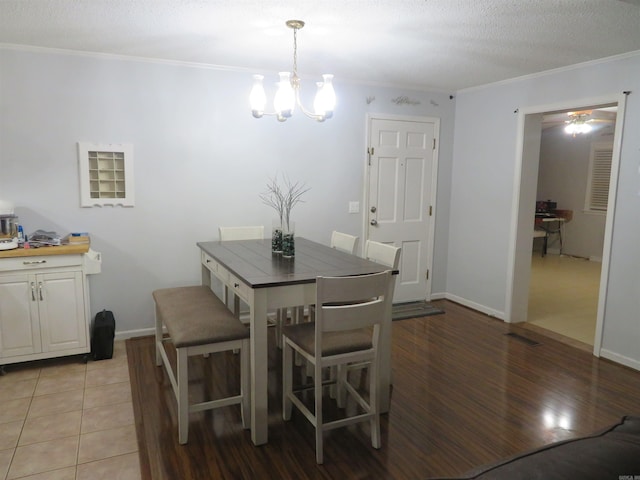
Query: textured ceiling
pixel 445 45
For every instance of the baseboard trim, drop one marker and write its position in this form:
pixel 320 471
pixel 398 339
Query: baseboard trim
pixel 142 332
pixel 475 306
pixel 621 359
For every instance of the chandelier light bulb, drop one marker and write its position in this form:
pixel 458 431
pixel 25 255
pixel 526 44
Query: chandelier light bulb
pixel 325 100
pixel 257 97
pixel 285 99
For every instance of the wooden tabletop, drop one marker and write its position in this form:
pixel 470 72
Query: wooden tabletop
pixel 253 262
pixel 54 250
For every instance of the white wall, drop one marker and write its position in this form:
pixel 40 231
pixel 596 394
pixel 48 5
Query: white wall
pixel 483 181
pixel 201 160
pixel 563 177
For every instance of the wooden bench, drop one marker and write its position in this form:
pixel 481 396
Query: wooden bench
pixel 199 323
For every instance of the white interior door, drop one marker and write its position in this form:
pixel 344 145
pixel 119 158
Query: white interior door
pixel 401 197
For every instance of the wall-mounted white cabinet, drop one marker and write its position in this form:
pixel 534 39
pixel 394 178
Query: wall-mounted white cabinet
pixel 44 307
pixel 106 174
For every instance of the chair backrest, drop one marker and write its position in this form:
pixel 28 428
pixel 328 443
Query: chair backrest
pixel 241 233
pixel 344 242
pixel 387 255
pixel 350 303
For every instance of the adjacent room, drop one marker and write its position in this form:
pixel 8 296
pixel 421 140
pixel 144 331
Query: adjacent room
pixel 574 171
pixel 193 193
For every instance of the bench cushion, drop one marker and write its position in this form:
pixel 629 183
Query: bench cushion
pixel 195 316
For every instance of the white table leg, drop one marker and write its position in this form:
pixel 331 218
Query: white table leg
pixel 384 372
pixel 259 370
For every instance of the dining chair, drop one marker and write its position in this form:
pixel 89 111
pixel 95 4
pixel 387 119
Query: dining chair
pixel 389 256
pixel 250 233
pixel 349 314
pixel 241 233
pixel 383 253
pixel 343 242
pixel 238 233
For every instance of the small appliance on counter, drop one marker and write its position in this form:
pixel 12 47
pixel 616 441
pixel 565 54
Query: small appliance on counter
pixel 8 226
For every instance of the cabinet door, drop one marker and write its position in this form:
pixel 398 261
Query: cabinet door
pixel 61 306
pixel 19 325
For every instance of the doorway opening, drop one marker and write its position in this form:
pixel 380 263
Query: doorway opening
pixel 526 184
pixel 571 207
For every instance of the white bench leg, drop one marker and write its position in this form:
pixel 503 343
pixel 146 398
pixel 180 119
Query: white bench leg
pixel 183 395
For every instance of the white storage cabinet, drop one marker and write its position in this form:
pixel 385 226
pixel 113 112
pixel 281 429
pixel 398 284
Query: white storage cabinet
pixel 44 307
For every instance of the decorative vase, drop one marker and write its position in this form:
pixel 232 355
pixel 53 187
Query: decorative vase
pixel 276 236
pixel 288 242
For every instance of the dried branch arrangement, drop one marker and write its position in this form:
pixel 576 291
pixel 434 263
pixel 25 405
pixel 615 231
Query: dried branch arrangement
pixel 283 198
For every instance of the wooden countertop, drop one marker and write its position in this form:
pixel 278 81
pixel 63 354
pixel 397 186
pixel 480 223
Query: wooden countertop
pixel 55 250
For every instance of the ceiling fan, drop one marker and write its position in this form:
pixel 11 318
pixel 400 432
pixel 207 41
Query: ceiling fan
pixel 580 121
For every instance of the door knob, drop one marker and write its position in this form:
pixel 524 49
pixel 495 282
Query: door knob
pixel 374 222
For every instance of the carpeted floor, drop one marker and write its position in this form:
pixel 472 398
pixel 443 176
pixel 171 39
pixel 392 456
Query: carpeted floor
pixel 402 311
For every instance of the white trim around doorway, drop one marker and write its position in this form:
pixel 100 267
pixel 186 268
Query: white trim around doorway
pixel 516 282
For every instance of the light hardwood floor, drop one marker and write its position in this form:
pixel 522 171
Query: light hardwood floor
pixel 563 296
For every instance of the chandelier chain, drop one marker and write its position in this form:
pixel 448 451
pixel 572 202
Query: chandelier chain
pixel 295 52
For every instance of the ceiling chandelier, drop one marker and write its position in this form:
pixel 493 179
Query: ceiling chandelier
pixel 288 94
pixel 578 124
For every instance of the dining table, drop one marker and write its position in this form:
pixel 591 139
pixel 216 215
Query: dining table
pixel 265 281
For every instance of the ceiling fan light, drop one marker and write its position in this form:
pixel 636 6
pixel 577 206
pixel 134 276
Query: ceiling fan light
pixel 571 129
pixel 584 128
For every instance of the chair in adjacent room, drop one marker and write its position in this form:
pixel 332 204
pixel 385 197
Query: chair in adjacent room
pixel 349 314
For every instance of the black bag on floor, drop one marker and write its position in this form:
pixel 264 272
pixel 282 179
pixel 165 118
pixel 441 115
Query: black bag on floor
pixel 104 329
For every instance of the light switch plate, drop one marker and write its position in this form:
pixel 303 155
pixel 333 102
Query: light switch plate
pixel 354 207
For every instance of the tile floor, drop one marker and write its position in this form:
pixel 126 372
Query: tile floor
pixel 65 420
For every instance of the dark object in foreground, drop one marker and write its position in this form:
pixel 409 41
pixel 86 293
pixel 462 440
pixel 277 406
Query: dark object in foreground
pixel 612 453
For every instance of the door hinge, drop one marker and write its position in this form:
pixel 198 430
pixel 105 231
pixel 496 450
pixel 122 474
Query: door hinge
pixel 370 151
pixel 430 210
pixel 434 144
pixel 427 275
